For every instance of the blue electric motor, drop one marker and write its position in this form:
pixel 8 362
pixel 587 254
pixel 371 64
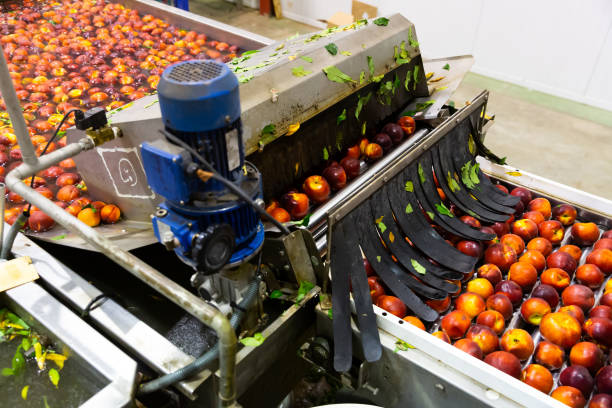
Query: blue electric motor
pixel 207 225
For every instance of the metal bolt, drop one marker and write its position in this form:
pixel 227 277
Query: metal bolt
pixel 182 202
pixel 439 387
pixel 286 267
pixel 174 160
pixel 281 253
pixel 189 225
pixel 161 212
pixel 386 178
pixel 259 202
pixel 227 119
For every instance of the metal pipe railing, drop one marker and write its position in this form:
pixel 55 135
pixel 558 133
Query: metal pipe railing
pixel 15 112
pixel 195 306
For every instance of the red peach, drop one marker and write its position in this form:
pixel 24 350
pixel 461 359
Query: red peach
pixel 481 287
pixel 439 305
pixel 549 355
pixel 565 213
pixel 600 330
pixel 491 273
pixel 455 324
pixel 534 258
pixel 524 274
pixel 517 342
pixel 541 205
pixel 578 295
pixel 561 260
pixel 524 228
pixel 499 302
pixel 471 304
pixel 523 194
pixel 541 245
pixel 534 216
pixel 573 310
pixel 534 309
pixel 555 277
pixel 561 329
pixel 601 257
pixel 588 355
pixel 513 241
pixel 538 377
pixel 470 347
pixel 485 337
pixel 392 305
pixel 590 275
pixel 501 255
pixel 548 293
pixel 492 319
pixel 552 230
pixel 573 250
pixel 601 311
pixel 39 221
pixel 570 396
pixel 604 243
pixel 316 188
pixel 506 362
pixel 442 336
pixel 585 233
pixel 510 289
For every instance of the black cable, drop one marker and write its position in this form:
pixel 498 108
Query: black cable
pixel 227 183
pixel 55 133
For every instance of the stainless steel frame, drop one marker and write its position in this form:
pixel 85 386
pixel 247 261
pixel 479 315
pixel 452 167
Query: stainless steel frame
pixel 46 315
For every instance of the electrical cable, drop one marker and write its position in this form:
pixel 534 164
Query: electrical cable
pixel 227 183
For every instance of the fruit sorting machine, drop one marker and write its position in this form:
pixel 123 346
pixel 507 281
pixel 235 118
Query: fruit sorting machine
pixel 299 104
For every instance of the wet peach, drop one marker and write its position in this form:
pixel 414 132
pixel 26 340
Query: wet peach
pixel 506 362
pixel 442 336
pixel 500 255
pixel 491 273
pixel 555 277
pixel 485 337
pixel 492 319
pixel 590 275
pixel 415 321
pixel 542 206
pixel 585 233
pixel 517 342
pixel 89 216
pixel 534 216
pixel 513 241
pixel 499 302
pixel 480 286
pixel 549 355
pixel 570 396
pixel 578 295
pixel 563 261
pixel 541 245
pixel 470 303
pixel 534 309
pixel 552 230
pixel 573 250
pixel 601 257
pixel 538 377
pixel 588 355
pixel 525 228
pixel 470 347
pixel 455 324
pixel 573 310
pixel 523 274
pixel 560 329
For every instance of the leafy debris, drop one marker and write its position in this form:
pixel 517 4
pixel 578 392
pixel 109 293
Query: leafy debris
pixel 332 48
pixel 341 117
pixel 299 71
pixel 381 21
pixel 335 75
pixel 363 100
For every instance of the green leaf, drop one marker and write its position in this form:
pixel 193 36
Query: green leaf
pixel 6 372
pixel 363 100
pixel 243 79
pixel 268 129
pixel 403 52
pixel 325 154
pixel 378 258
pixel 24 392
pixel 409 209
pixel 418 267
pixel 402 345
pixel 402 61
pixel 18 362
pixel 334 74
pixel 378 78
pixel 148 105
pixel 396 84
pixel 415 76
pixel 452 183
pixel 304 288
pixel 381 21
pixel 45 401
pixel 307 59
pixel 371 65
pixel 362 78
pixel 407 80
pixel 363 128
pixel 299 71
pixel 54 376
pixel 474 173
pixel 13 318
pixel 382 227
pixel 413 42
pixel 341 117
pixel 332 48
pixel 421 174
pixel 395 52
pixel 409 187
pixel 502 160
pixel 305 221
pixel 465 176
pixel 249 52
pixel 25 344
pixel 421 106
pixel 451 104
pixel 58 237
pixel 442 209
pixel 275 294
pixel 431 215
pixel 280 47
pixel 339 138
pixel 330 314
pixel 446 67
pixel 347 53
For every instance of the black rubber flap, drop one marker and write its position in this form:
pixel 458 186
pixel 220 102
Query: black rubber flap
pixel 457 191
pixel 414 225
pixel 427 193
pixel 383 265
pixel 346 262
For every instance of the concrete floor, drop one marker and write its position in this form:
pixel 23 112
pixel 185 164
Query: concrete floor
pixel 552 137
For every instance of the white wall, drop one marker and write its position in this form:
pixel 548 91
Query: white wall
pixel 561 47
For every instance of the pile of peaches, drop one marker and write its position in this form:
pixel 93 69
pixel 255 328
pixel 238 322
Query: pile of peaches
pixel 316 189
pixel 82 54
pixel 539 305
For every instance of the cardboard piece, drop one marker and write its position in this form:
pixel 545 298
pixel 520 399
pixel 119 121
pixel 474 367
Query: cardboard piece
pixel 16 272
pixel 362 10
pixel 339 19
